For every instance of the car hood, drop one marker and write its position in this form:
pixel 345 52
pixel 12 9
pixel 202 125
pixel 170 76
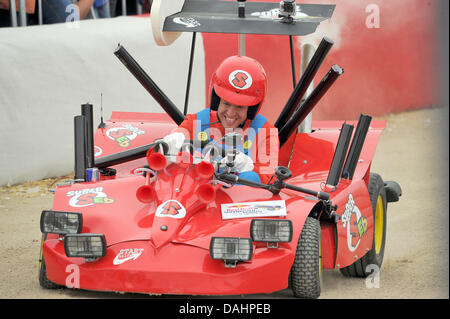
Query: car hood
pixel 111 208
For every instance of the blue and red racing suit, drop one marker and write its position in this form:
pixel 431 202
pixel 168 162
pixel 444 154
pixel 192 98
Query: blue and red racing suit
pixel 260 140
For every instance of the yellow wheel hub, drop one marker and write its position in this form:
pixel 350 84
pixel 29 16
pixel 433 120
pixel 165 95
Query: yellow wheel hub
pixel 379 225
pixel 320 258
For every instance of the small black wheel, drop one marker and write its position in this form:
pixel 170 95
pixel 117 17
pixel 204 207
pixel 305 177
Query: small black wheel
pixel 374 256
pixel 43 280
pixel 306 272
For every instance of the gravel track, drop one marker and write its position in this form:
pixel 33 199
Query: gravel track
pixel 413 150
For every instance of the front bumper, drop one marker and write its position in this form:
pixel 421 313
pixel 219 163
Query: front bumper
pixel 172 269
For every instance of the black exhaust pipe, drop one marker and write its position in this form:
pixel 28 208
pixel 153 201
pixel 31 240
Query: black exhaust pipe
pixel 339 155
pixel 87 112
pixel 122 157
pixel 356 146
pixel 307 106
pixel 304 82
pixel 129 155
pixel 80 148
pixel 149 85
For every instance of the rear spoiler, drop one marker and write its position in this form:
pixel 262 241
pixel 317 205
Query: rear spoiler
pixel 258 18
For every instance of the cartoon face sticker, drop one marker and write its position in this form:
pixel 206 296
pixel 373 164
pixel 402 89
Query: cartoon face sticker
pixel 202 136
pixel 88 197
pixel 355 224
pixel 124 134
pixel 97 151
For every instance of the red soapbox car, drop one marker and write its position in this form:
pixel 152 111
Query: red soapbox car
pixel 132 222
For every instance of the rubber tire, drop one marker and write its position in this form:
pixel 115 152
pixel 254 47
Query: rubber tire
pixel 43 280
pixel 305 277
pixel 359 267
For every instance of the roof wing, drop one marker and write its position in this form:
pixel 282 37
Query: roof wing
pixel 214 16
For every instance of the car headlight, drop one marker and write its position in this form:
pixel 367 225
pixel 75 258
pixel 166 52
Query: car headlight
pixel 231 249
pixel 89 246
pixel 62 223
pixel 271 230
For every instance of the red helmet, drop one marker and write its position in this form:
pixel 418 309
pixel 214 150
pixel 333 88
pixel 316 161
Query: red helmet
pixel 239 80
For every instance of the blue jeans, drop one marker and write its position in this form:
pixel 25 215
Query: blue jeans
pixel 102 11
pixel 58 11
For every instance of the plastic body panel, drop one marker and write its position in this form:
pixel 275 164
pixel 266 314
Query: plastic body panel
pixel 142 256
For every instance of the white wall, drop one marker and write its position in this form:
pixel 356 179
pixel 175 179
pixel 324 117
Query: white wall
pixel 47 72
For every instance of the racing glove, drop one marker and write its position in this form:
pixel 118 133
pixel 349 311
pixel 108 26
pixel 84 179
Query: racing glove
pixel 174 141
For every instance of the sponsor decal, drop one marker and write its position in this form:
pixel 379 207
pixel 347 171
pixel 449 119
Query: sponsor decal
pixel 275 14
pixel 187 22
pixel 88 197
pixel 254 209
pixel 355 224
pixel 127 254
pixel 123 135
pixel 240 79
pixel 97 151
pixel 171 208
pixel 247 144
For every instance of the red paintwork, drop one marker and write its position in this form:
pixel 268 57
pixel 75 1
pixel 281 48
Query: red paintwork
pixel 177 261
pixel 328 245
pixel 390 59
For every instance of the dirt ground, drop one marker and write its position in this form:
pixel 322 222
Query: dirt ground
pixel 413 150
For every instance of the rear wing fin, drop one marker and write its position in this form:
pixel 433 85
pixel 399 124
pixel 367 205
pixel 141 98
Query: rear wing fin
pixel 260 18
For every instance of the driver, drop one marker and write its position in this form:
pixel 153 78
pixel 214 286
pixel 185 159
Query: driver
pixel 238 88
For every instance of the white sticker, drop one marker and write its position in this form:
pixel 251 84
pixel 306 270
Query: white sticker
pixel 171 208
pixel 354 222
pixel 127 254
pixel 187 22
pixel 240 79
pixel 97 151
pixel 88 196
pixel 124 135
pixel 275 14
pixel 254 209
